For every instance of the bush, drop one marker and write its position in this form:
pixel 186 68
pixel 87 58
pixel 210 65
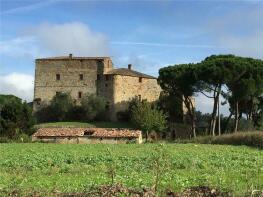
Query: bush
pixel 241 138
pixel 60 106
pixel 16 116
pixel 249 138
pixel 148 118
pixel 93 106
pixel 123 116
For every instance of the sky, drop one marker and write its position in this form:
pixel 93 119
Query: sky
pixel 148 34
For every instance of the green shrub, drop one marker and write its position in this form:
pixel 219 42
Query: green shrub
pixel 94 106
pixel 4 140
pixel 16 116
pixel 123 116
pixel 24 138
pixel 241 138
pixel 148 118
pixel 249 138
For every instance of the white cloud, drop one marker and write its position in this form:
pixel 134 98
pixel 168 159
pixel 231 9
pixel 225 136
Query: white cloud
pixel 55 40
pixel 18 84
pixel 76 38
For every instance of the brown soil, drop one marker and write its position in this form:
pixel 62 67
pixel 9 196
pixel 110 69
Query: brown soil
pixel 119 190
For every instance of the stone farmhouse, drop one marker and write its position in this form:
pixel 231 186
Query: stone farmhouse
pixel 87 135
pixel 95 75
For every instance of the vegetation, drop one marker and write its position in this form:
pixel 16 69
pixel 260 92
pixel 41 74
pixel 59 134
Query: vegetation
pixel 15 117
pixel 63 108
pixel 239 80
pixel 71 168
pixel 178 83
pixel 148 118
pixel 241 138
pixel 93 106
pixel 99 124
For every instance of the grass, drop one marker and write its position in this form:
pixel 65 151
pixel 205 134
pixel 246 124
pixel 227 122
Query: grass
pixel 86 124
pixel 48 167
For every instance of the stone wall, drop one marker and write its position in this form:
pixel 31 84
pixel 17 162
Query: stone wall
pixel 127 87
pixel 87 140
pixel 46 83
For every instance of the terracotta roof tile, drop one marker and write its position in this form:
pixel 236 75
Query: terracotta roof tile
pixel 128 72
pixel 91 132
pixel 72 58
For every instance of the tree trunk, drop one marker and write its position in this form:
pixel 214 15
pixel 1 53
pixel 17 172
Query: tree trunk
pixel 227 122
pixel 193 128
pixel 214 114
pixel 236 117
pixel 213 119
pixel 219 118
pixel 190 109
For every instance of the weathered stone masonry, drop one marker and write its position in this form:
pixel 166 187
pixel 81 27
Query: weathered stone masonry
pixel 81 75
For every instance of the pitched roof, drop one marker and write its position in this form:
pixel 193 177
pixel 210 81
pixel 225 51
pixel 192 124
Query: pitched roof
pixel 128 72
pixel 91 132
pixel 72 58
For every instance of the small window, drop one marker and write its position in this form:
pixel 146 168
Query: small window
pixel 80 95
pixel 58 77
pixel 98 77
pixel 106 85
pixel 37 101
pixel 81 77
pixel 107 77
pixel 88 133
pixel 140 97
pixel 107 107
pixel 140 79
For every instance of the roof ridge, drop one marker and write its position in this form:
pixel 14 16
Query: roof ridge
pixel 129 72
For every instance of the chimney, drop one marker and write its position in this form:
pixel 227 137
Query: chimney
pixel 129 66
pixel 70 56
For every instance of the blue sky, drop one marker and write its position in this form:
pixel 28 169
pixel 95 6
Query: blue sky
pixel 148 34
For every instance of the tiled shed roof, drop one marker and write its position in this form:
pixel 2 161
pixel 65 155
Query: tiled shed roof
pixel 91 132
pixel 128 72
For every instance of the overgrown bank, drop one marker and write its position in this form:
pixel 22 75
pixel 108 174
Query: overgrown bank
pixel 254 139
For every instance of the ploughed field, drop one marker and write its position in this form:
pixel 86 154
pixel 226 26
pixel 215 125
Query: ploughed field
pixel 46 168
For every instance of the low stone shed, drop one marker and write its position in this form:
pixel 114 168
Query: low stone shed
pixel 87 136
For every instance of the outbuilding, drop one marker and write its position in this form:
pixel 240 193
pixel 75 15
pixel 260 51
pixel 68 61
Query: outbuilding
pixel 87 135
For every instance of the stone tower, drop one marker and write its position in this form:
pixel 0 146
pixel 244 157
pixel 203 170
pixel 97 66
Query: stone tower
pixel 95 75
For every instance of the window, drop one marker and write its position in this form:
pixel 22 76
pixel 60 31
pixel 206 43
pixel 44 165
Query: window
pixel 88 133
pixel 140 97
pixel 80 95
pixel 140 79
pixel 81 77
pixel 106 85
pixel 37 101
pixel 58 77
pixel 107 107
pixel 107 77
pixel 98 77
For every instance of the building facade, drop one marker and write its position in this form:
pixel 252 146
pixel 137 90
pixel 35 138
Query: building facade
pixel 87 136
pixel 94 75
